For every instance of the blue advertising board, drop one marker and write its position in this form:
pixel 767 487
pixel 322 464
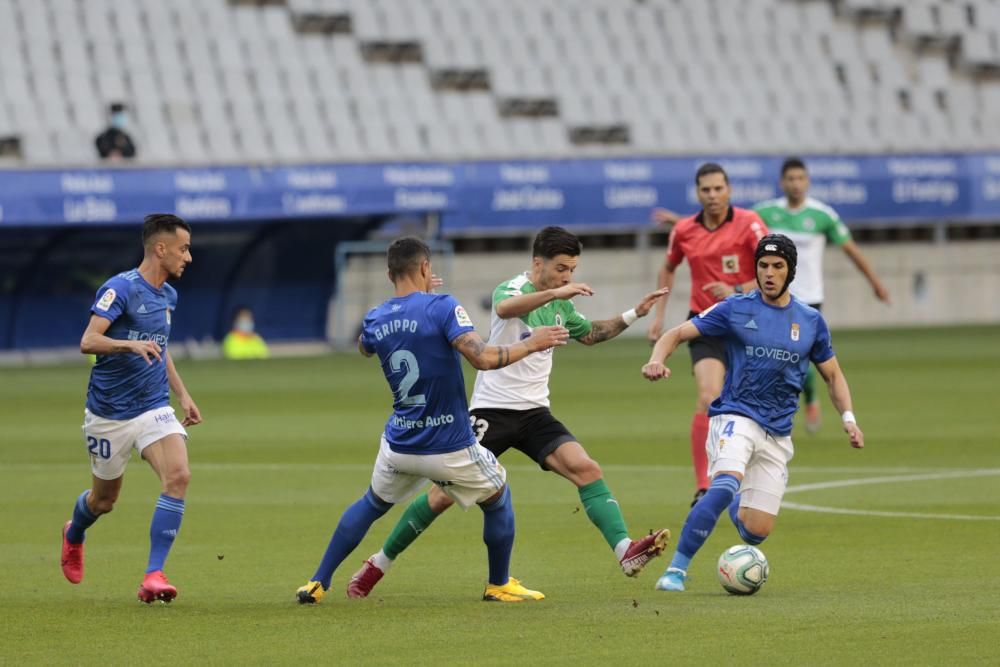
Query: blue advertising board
pixel 493 195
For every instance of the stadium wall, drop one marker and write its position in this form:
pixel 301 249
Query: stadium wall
pixel 930 283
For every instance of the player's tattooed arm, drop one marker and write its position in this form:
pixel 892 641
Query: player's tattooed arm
pixel 602 330
pixel 484 356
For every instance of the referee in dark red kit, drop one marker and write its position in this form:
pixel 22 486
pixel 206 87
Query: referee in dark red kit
pixel 719 244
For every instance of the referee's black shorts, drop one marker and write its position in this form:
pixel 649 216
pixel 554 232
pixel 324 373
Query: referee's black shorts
pixel 706 347
pixel 535 432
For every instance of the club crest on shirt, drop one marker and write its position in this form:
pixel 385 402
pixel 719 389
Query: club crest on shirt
pixel 462 317
pixel 559 319
pixel 730 263
pixel 106 300
pixel 795 331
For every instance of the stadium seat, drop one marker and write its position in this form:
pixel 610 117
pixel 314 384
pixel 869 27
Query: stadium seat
pixel 635 65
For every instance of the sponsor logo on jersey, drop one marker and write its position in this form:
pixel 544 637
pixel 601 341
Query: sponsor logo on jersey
pixel 809 224
pixel 462 317
pixel 141 308
pixel 107 299
pixel 395 307
pixel 795 331
pixel 730 263
pixel 157 338
pixel 750 325
pixel 775 353
pixel 168 317
pixel 708 310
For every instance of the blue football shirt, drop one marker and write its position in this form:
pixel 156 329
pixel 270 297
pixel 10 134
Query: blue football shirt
pixel 412 336
pixel 768 351
pixel 123 386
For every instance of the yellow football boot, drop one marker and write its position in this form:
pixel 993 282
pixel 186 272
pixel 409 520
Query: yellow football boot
pixel 512 591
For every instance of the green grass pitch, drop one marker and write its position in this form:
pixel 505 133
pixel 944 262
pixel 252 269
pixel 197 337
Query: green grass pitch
pixel 288 444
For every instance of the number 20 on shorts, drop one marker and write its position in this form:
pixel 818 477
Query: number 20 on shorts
pixel 101 448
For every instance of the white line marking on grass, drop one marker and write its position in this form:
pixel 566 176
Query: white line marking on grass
pixel 956 474
pixel 906 515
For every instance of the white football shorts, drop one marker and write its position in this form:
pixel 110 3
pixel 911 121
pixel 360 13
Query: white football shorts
pixel 469 476
pixel 110 441
pixel 739 444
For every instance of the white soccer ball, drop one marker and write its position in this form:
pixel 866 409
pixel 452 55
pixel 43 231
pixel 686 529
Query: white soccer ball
pixel 742 569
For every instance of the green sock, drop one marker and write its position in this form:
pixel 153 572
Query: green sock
pixel 809 388
pixel 603 512
pixel 415 520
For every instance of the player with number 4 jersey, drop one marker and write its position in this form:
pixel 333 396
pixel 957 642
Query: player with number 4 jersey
pixel 770 338
pixel 510 406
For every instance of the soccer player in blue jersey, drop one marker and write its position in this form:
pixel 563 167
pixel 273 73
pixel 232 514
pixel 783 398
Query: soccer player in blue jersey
pixel 771 338
pixel 128 399
pixel 419 337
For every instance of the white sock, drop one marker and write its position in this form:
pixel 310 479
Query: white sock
pixel 622 547
pixel 381 561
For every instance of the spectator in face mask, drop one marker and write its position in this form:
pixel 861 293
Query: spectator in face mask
pixel 114 143
pixel 242 342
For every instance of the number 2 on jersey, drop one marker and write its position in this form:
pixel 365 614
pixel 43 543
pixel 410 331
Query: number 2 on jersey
pixel 404 360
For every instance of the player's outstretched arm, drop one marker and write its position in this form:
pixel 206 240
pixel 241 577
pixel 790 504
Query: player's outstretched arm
pixel 602 330
pixel 664 279
pixel 486 357
pixel 665 346
pixel 840 394
pixel 854 252
pixel 192 415
pixel 522 304
pixel 95 342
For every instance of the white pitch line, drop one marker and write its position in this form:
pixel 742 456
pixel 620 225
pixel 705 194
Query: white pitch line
pixel 905 515
pixel 836 484
pixel 957 474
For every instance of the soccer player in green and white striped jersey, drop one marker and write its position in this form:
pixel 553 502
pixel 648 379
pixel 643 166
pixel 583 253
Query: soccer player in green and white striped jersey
pixel 810 224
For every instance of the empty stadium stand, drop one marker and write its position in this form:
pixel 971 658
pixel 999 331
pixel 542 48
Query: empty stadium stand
pixel 217 82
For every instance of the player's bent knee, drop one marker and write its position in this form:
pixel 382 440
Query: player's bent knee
pixel 102 505
pixel 176 481
pixel 585 471
pixel 758 528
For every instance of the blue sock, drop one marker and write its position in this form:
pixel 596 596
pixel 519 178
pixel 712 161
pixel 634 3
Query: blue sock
pixel 746 535
pixel 163 529
pixel 498 534
pixel 702 518
pixel 734 510
pixel 352 528
pixel 83 519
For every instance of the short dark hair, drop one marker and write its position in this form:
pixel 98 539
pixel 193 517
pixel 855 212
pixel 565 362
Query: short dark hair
pixel 405 255
pixel 792 163
pixel 553 241
pixel 156 223
pixel 710 168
